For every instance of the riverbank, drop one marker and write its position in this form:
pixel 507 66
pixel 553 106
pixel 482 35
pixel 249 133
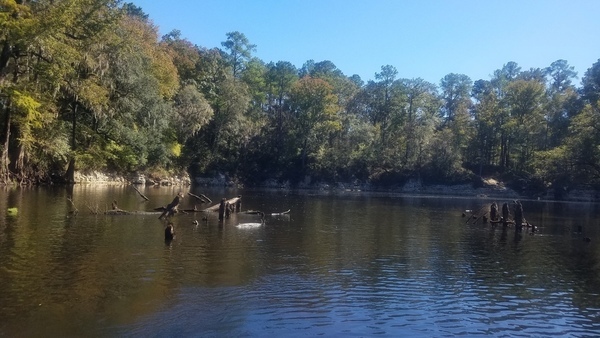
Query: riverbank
pixel 97 177
pixel 486 188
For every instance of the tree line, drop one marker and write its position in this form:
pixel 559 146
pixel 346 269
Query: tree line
pixel 90 85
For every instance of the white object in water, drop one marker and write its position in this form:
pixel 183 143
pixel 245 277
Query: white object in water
pixel 248 225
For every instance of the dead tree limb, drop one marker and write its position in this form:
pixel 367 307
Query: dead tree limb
pixel 201 198
pixel 216 206
pixel 143 196
pixel 75 211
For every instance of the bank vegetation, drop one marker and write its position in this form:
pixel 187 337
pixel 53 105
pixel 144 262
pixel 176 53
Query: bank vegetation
pixel 89 85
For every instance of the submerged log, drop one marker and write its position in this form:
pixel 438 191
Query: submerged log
pixel 125 212
pixel 229 201
pixel 281 213
pixel 162 210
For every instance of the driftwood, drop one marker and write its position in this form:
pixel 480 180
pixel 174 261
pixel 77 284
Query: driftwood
pixel 161 210
pixel 75 211
pixel 143 196
pixel 475 215
pixel 216 206
pixel 258 212
pixel 281 213
pixel 125 212
pixel 202 198
pixel 502 222
pixel 253 212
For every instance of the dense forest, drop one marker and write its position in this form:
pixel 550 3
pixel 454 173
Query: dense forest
pixel 90 85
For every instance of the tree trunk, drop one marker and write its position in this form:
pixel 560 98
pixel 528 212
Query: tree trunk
pixel 4 158
pixel 304 154
pixel 70 174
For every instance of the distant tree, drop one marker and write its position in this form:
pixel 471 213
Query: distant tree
pixel 357 80
pixel 240 51
pixel 280 78
pixel 307 68
pixel 132 10
pixel 254 76
pixel 562 102
pixel 314 107
pixel 184 54
pixel 456 90
pixel 525 101
pixel 561 76
pixel 386 108
pixel 192 112
pixel 421 112
pixel 484 148
pixel 591 85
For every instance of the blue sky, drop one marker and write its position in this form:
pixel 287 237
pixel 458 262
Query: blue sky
pixel 421 38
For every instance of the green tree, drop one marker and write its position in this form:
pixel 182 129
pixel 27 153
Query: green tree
pixel 56 38
pixel 456 90
pixel 591 85
pixel 562 103
pixel 240 51
pixel 525 101
pixel 184 54
pixel 334 159
pixel 192 112
pixel 314 108
pixel 501 79
pixel 561 76
pixel 421 107
pixel 484 148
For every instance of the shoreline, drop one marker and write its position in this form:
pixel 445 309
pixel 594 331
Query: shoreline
pixel 490 189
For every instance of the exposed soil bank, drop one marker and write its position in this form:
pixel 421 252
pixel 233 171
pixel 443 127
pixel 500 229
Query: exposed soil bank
pixel 489 187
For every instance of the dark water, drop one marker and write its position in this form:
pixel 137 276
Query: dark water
pixel 346 265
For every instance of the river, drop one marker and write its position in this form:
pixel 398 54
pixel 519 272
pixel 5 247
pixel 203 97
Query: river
pixel 349 264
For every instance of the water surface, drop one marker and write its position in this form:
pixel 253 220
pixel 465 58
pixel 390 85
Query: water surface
pixel 346 265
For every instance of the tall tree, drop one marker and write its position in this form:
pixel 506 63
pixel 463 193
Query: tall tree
pixel 386 108
pixel 484 148
pixel 240 51
pixel 561 75
pixel 280 78
pixel 562 102
pixel 456 90
pixel 421 102
pixel 525 101
pixel 57 38
pixel 591 85
pixel 315 110
pixel 184 54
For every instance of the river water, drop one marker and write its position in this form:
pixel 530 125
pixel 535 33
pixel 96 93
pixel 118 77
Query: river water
pixel 349 264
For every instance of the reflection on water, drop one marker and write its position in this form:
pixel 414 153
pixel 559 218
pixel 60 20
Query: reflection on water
pixel 349 265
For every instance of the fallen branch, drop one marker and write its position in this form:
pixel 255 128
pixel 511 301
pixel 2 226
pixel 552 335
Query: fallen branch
pixel 216 206
pixel 201 198
pixel 143 196
pixel 475 214
pixel 76 211
pixel 125 212
pixel 95 210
